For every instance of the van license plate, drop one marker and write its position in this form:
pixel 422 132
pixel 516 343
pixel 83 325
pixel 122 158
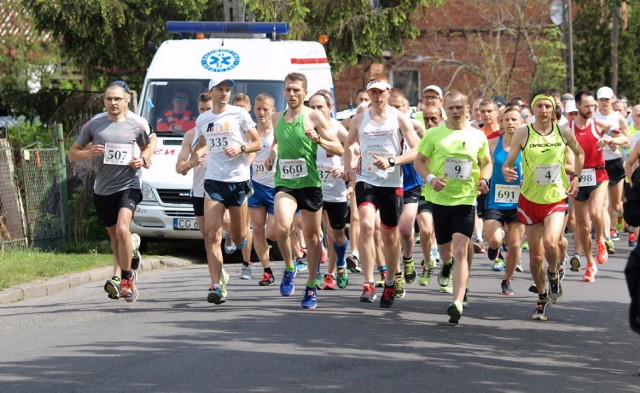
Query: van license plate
pixel 185 224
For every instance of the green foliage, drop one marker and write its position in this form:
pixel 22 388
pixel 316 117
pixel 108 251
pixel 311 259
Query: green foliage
pixel 592 47
pixel 551 69
pixel 28 132
pixel 110 39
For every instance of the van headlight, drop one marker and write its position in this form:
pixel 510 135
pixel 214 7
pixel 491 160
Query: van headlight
pixel 147 193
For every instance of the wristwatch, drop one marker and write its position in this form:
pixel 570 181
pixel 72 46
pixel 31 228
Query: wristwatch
pixel 243 148
pixel 392 161
pixel 144 160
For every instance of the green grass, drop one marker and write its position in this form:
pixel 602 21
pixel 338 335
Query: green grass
pixel 19 267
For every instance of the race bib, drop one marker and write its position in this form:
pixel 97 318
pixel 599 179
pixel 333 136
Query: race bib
pixel 457 168
pixel 218 141
pixel 369 161
pixel 293 169
pixel 259 168
pixel 547 174
pixel 325 174
pixel 506 193
pixel 587 177
pixel 118 153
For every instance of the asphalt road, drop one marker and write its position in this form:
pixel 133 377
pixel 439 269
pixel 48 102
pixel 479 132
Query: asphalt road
pixel 172 340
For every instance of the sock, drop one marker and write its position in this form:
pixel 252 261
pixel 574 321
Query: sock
pixel 390 283
pixel 340 252
pixel 542 296
pixel 382 268
pixel 458 304
pixel 355 254
pixel 246 263
pixel 399 275
pixel 492 253
pixel 126 274
pixel 407 260
pixel 290 269
pixel 115 278
pixel 268 270
pixel 311 284
pixel 242 244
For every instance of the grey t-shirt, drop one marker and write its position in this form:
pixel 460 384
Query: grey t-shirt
pixel 119 138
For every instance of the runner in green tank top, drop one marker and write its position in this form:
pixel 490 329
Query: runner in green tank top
pixel 298 186
pixel 542 205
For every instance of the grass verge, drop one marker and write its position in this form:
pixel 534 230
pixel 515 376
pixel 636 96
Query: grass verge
pixel 19 267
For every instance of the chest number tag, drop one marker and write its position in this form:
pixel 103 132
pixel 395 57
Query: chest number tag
pixel 293 169
pixel 117 153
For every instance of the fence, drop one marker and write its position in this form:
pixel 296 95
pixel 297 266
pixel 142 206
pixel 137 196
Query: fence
pixel 12 217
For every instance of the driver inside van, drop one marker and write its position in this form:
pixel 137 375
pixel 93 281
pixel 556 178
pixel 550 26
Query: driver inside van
pixel 178 118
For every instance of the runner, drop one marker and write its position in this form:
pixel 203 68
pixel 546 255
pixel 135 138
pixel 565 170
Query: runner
pixel 117 185
pixel 298 133
pixel 229 135
pixel 381 131
pixel 455 161
pixel 542 202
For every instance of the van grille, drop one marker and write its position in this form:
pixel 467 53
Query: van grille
pixel 176 197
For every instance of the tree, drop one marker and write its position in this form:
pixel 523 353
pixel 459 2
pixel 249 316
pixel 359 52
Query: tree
pixel 357 29
pixel 593 61
pixel 110 39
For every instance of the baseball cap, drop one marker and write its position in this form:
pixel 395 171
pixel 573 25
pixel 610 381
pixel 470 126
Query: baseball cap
pixel 567 97
pixel 434 88
pixel 380 85
pixel 122 84
pixel 216 81
pixel 604 92
pixel 570 106
pixel 500 100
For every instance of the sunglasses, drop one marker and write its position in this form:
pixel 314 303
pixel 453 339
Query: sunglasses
pixel 181 99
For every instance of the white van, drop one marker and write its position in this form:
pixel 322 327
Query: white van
pixel 257 65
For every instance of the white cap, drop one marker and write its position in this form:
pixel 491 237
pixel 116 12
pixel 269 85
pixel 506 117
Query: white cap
pixel 215 82
pixel 605 92
pixel 380 85
pixel 434 88
pixel 570 106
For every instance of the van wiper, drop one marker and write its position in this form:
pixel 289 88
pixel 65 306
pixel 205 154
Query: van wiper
pixel 170 134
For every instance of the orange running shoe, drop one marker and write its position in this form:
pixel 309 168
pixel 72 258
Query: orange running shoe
pixel 590 274
pixel 602 256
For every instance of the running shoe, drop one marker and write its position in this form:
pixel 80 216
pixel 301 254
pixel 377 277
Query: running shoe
pixel 590 273
pixel 525 245
pixel 444 277
pixel 224 280
pixel 215 295
pixel 245 273
pixel 343 278
pixel 620 223
pixel 633 240
pixel 602 254
pixel 613 235
pixel 447 288
pixel 383 276
pixel 498 265
pixel 610 247
pixel 555 286
pixel 388 296
pixel 286 286
pixel 310 299
pixel 519 268
pixel 319 281
pixel 112 287
pixel 135 255
pixel 128 290
pixel 399 286
pixel 353 264
pixel 229 245
pixel 455 313
pixel 435 253
pixel 134 276
pixel 427 272
pixel 267 280
pixel 541 309
pixel 561 267
pixel 533 288
pixel 575 263
pixel 410 274
pixel 368 293
pixel 505 286
pixel 329 282
pixel 478 248
pixel 301 265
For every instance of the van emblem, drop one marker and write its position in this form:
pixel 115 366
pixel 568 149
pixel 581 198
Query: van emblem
pixel 220 60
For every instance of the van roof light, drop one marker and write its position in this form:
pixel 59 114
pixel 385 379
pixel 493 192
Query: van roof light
pixel 228 27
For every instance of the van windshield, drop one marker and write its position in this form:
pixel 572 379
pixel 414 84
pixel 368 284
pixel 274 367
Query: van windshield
pixel 171 105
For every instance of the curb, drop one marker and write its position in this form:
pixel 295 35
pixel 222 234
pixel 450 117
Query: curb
pixel 64 283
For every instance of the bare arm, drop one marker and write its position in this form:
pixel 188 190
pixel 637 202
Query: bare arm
pixel 517 143
pixel 323 136
pixel 629 164
pixel 78 152
pixel 182 165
